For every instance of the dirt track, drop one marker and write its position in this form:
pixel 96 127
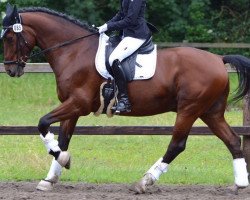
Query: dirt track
pixel 70 191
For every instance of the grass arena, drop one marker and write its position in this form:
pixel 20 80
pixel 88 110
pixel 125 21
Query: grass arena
pixel 101 167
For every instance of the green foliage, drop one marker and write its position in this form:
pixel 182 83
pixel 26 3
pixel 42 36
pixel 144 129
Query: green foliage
pixel 177 20
pixel 192 20
pixel 232 22
pixel 198 27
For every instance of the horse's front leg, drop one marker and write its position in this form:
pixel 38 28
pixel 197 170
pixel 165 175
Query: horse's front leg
pixel 65 133
pixel 67 110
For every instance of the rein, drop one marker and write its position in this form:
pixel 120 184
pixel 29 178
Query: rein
pixel 69 42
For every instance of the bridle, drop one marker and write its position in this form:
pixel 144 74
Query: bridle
pixel 21 57
pixel 17 28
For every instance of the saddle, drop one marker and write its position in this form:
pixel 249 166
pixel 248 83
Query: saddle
pixel 140 65
pixel 129 63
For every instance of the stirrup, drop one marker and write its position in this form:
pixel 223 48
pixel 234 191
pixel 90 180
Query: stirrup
pixel 122 106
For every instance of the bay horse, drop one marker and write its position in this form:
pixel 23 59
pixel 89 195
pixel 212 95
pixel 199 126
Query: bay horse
pixel 191 82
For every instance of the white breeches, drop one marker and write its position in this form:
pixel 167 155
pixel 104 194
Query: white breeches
pixel 125 48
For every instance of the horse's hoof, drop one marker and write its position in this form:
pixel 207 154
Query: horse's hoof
pixel 64 159
pixel 67 166
pixel 141 186
pixel 235 189
pixel 138 188
pixel 44 185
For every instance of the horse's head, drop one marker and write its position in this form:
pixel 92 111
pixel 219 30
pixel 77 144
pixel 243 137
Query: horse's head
pixel 18 42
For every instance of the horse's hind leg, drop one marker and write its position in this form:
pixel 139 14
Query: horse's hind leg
pixel 221 129
pixel 65 133
pixel 177 144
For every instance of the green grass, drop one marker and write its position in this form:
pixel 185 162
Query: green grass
pixel 24 100
pixel 100 159
pixel 118 159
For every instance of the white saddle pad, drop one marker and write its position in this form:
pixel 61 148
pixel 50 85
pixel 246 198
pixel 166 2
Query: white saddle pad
pixel 147 62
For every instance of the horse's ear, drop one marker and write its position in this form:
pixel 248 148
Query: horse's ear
pixel 9 10
pixel 15 14
pixel 11 17
pixel 8 19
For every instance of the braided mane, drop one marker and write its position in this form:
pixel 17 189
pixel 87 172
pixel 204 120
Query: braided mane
pixel 58 14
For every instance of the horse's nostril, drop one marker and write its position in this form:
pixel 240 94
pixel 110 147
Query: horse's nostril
pixel 10 73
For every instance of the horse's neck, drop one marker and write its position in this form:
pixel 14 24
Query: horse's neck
pixel 52 30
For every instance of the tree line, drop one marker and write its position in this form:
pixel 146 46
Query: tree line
pixel 177 20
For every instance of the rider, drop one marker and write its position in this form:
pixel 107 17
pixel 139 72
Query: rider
pixel 130 20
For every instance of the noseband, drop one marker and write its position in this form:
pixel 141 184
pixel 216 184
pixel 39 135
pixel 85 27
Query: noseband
pixel 21 57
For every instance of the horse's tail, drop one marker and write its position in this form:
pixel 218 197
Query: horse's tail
pixel 242 66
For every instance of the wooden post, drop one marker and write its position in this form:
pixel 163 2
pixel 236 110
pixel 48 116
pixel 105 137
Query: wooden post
pixel 246 138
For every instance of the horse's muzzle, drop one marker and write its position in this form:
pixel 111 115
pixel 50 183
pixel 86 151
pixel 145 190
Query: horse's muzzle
pixel 14 70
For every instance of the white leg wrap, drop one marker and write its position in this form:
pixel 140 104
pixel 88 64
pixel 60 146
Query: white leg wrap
pixel 50 143
pixel 240 172
pixel 157 169
pixel 54 172
pixel 52 177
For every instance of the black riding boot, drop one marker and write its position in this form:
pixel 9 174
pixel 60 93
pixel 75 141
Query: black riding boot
pixel 123 104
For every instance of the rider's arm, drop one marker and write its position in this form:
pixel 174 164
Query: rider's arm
pixel 117 17
pixel 130 19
